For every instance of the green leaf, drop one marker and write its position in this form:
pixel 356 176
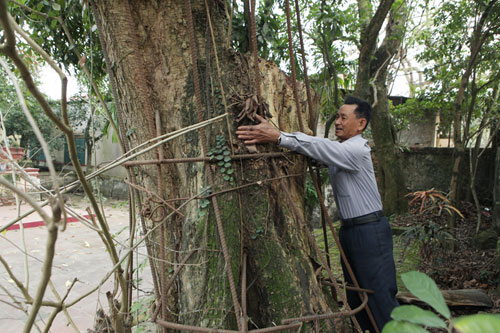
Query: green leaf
pixel 227 159
pixel 426 290
pixel 226 153
pixel 396 326
pixel 222 170
pixel 416 315
pixel 227 165
pixel 484 323
pixel 220 163
pixel 56 6
pixel 230 171
pixel 219 157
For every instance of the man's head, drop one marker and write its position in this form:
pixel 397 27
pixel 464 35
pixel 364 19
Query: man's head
pixel 352 118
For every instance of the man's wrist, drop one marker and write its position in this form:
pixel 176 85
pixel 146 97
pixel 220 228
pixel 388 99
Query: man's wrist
pixel 278 141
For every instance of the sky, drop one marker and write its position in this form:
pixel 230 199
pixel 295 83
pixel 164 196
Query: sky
pixel 50 83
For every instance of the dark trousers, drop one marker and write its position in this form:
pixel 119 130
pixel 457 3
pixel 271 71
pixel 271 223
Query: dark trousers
pixel 368 249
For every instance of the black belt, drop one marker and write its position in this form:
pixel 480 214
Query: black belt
pixel 372 217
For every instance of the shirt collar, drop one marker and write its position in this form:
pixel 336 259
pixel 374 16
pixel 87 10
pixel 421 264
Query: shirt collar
pixel 355 138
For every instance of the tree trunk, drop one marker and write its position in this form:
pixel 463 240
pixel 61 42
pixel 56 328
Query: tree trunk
pixel 373 65
pixel 148 46
pixel 390 177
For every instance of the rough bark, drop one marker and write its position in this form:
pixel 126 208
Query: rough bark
pixel 373 67
pixel 257 220
pixel 390 177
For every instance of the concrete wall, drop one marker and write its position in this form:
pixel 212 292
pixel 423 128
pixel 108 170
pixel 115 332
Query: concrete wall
pixel 427 168
pixel 107 151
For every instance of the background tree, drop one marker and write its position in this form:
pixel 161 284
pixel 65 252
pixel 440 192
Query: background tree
pixel 15 121
pixel 333 30
pixel 463 72
pixel 371 84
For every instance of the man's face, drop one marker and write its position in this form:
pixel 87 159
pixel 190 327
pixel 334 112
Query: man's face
pixel 347 124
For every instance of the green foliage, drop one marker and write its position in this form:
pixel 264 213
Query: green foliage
pixel 258 232
pixel 410 318
pixel 311 196
pixel 203 204
pixel 484 323
pixel 396 326
pixel 220 153
pixel 431 236
pixel 416 315
pixel 415 109
pixel 41 22
pixel 270 29
pixel 446 52
pixel 140 310
pixel 426 289
pixel 335 30
pixel 16 122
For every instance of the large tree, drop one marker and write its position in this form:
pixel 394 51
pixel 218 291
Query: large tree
pixel 148 51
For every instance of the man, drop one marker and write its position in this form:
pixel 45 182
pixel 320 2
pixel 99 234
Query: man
pixel 365 234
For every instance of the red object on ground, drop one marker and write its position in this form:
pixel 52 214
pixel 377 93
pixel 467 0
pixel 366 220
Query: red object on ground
pixel 41 223
pixel 16 152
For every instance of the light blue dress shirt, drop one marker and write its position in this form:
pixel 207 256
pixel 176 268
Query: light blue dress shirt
pixel 350 166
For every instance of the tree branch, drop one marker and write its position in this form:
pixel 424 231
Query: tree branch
pixel 18 283
pixel 46 273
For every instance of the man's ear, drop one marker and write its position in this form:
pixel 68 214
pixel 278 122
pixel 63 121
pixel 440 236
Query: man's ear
pixel 362 123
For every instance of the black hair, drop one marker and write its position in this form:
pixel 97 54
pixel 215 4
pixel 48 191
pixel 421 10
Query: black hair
pixel 364 109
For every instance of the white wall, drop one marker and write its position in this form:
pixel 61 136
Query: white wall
pixel 107 151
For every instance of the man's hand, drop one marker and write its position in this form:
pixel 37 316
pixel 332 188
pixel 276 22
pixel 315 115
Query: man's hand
pixel 260 133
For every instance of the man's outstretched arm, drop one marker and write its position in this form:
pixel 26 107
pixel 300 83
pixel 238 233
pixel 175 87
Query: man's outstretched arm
pixel 263 132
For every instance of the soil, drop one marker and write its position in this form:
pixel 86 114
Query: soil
pixel 466 267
